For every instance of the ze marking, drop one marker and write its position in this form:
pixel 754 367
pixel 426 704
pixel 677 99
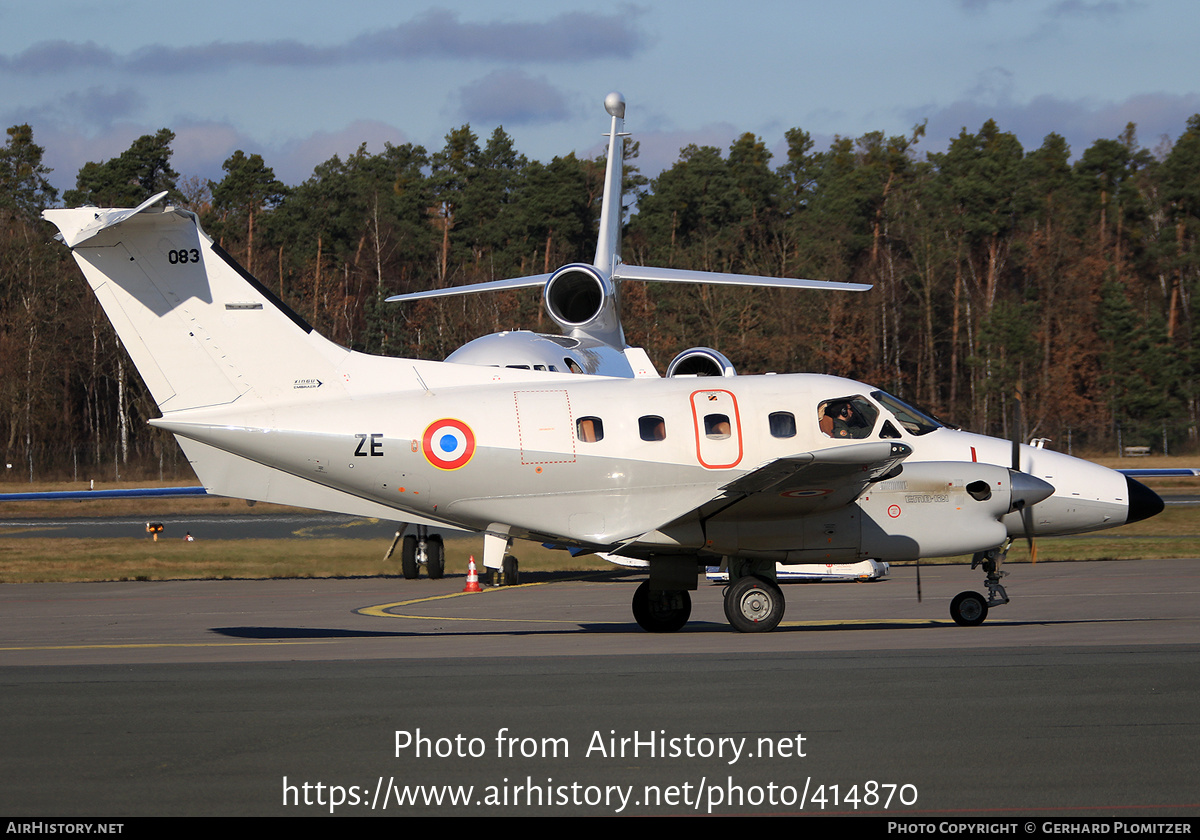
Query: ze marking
pixel 376 445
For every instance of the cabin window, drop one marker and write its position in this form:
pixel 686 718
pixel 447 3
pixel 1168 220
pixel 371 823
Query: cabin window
pixel 652 427
pixel 716 426
pixel 571 366
pixel 589 429
pixel 783 424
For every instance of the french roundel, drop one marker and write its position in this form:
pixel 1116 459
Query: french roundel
pixel 448 443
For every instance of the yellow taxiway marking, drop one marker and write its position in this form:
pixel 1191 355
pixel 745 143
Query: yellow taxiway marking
pixel 867 622
pixel 381 610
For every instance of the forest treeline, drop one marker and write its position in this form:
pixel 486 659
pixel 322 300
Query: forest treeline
pixel 1014 292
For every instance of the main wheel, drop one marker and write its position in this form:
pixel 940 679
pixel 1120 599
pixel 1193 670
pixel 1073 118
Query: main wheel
pixel 662 610
pixel 435 557
pixel 968 609
pixel 754 604
pixel 511 570
pixel 408 558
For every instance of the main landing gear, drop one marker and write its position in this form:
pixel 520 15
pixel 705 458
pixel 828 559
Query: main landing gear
pixel 423 549
pixel 969 609
pixel 500 567
pixel 661 610
pixel 753 604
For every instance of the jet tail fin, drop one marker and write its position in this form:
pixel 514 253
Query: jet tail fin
pixel 608 243
pixel 200 330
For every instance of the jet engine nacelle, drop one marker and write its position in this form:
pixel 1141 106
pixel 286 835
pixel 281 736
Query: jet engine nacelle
pixel 583 300
pixel 700 361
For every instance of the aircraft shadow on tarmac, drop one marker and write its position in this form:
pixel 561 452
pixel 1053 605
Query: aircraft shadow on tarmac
pixel 894 625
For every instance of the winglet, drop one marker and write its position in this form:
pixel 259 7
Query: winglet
pixel 108 218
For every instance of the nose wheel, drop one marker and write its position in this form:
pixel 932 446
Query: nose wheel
pixel 968 609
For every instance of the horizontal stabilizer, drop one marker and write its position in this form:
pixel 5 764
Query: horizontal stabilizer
pixel 680 275
pixel 104 219
pixel 473 288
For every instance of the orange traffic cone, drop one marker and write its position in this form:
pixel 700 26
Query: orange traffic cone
pixel 472 578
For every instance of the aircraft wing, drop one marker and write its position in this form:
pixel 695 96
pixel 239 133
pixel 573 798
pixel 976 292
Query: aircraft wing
pixel 472 288
pixel 837 469
pixel 785 489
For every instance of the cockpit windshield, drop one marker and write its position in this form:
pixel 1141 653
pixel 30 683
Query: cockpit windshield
pixel 914 421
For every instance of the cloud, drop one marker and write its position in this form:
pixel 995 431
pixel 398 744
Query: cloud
pixel 569 37
pixel 101 106
pixel 57 56
pixel 1097 9
pixel 511 97
pixel 295 160
pixel 659 150
pixel 980 5
pixel 199 148
pixel 1081 122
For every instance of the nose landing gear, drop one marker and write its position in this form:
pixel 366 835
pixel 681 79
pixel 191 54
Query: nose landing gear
pixel 969 609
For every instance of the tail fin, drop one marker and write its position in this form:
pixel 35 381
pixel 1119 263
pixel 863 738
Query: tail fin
pixel 201 330
pixel 608 243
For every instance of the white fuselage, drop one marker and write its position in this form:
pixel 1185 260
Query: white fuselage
pixel 602 462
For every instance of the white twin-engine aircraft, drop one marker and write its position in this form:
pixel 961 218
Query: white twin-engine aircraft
pixel 571 440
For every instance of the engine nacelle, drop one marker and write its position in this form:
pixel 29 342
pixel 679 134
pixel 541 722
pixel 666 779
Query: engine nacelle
pixel 700 361
pixel 928 509
pixel 583 301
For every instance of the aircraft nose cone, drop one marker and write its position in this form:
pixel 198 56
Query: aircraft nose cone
pixel 1143 502
pixel 1028 489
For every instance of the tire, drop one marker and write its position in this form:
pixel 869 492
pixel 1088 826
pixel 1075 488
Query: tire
pixel 754 605
pixel 662 611
pixel 408 558
pixel 435 557
pixel 968 609
pixel 511 570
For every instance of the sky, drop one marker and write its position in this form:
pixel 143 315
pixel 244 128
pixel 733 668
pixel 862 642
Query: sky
pixel 303 81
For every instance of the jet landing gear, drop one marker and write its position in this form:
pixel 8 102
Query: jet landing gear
pixel 423 549
pixel 969 609
pixel 661 610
